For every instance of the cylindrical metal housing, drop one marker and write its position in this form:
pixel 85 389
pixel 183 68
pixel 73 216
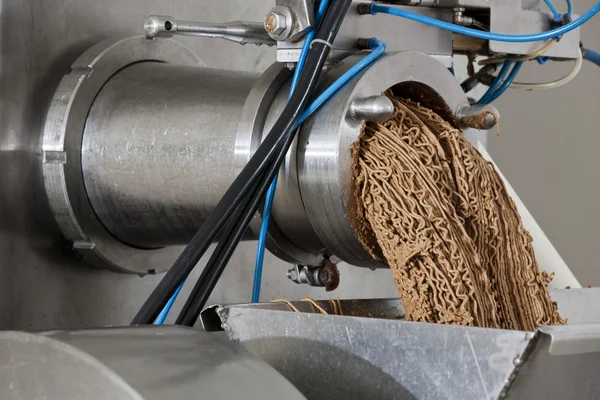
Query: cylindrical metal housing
pixel 158 149
pixel 163 142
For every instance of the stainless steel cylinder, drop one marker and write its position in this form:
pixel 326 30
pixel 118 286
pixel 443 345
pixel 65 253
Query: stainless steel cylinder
pixel 163 142
pixel 158 149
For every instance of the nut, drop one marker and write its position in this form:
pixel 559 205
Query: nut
pixel 275 23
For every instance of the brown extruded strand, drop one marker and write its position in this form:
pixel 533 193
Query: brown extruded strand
pixel 446 226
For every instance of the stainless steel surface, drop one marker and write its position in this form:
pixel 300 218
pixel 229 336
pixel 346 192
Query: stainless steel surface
pixel 398 34
pixel 141 363
pixel 580 306
pixel 40 40
pixel 329 357
pixel 45 284
pixel 262 107
pixel 568 374
pixel 489 121
pixel 325 142
pixel 333 357
pixel 62 149
pixel 372 108
pixel 367 308
pixel 288 213
pixel 158 149
pixel 301 17
pixel 519 17
pixel 241 32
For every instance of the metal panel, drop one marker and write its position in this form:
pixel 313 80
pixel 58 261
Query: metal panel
pixel 44 284
pixel 141 363
pixel 398 35
pixel 330 356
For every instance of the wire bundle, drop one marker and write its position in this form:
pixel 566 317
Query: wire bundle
pixel 238 205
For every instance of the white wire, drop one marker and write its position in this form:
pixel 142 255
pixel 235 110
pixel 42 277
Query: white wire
pixel 553 84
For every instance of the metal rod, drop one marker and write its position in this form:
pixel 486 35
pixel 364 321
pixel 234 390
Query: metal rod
pixel 241 32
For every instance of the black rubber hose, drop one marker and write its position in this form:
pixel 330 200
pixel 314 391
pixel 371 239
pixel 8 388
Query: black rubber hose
pixel 222 254
pixel 211 272
pixel 261 160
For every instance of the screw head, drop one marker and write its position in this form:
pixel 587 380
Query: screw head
pixel 275 23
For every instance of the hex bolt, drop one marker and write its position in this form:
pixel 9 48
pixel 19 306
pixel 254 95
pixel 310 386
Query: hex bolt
pixel 279 23
pixel 275 23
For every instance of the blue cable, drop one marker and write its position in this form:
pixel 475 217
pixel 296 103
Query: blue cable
pixel 542 60
pixel 506 84
pixel 378 49
pixel 486 99
pixel 165 311
pixel 377 8
pixel 266 216
pixel 552 7
pixel 570 8
pixel 592 56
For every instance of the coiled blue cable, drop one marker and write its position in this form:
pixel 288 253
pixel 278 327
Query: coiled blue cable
pixel 486 99
pixel 500 37
pixel 266 216
pixel 378 49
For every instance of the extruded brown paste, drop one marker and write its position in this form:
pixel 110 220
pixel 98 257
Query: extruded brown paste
pixel 446 226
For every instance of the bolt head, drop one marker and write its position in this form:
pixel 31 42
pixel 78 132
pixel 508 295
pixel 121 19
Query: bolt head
pixel 275 23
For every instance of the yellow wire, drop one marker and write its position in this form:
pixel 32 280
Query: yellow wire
pixel 286 302
pixel 315 304
pixel 526 57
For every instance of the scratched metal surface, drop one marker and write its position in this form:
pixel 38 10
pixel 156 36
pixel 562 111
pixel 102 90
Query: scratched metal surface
pixel 353 357
pixel 333 357
pixel 44 285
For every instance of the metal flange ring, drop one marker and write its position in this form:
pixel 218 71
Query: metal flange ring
pixel 61 151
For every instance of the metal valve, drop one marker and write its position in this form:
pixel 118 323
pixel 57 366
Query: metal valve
pixel 326 275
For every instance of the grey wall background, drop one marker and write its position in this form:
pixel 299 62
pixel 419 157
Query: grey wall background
pixel 547 150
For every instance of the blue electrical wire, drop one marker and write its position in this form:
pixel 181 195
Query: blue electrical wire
pixel 552 7
pixel 506 84
pixel 486 99
pixel 378 48
pixel 570 8
pixel 377 8
pixel 517 67
pixel 591 56
pixel 307 41
pixel 266 215
pixel 165 311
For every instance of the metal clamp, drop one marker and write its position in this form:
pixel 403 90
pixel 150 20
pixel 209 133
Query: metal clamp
pixel 61 150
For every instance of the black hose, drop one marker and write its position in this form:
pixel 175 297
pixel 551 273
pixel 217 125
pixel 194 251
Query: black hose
pixel 222 254
pixel 255 168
